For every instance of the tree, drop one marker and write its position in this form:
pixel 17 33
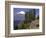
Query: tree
pixel 30 15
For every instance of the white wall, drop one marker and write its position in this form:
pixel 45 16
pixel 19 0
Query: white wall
pixel 2 19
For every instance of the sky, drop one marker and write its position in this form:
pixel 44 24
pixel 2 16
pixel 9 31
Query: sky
pixel 18 11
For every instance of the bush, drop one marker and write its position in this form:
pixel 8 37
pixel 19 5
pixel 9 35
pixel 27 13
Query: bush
pixel 24 25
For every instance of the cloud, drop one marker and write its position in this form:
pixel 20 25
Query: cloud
pixel 21 12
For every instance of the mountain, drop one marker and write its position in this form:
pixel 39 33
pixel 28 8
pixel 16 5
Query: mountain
pixel 19 17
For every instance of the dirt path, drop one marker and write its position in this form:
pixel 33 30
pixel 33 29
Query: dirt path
pixel 34 24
